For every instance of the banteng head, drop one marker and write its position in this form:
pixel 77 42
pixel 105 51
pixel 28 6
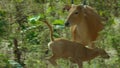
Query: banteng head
pixel 104 54
pixel 76 14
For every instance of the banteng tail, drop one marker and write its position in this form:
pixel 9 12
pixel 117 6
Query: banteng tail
pixel 51 30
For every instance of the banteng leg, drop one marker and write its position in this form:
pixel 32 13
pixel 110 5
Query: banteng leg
pixel 72 65
pixel 52 60
pixel 80 64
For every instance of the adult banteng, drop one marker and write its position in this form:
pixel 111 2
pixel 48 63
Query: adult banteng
pixel 85 24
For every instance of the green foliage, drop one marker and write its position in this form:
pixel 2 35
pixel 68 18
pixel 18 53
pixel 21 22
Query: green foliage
pixel 58 22
pixel 4 61
pixel 14 64
pixel 2 27
pixel 18 1
pixel 22 19
pixel 3 24
pixel 34 20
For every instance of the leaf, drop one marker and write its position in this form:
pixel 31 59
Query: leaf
pixel 58 22
pixel 1 55
pixel 59 27
pixel 34 20
pixel 56 35
pixel 15 64
pixel 48 10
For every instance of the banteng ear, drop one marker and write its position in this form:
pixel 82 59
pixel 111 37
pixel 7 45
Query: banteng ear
pixel 66 7
pixel 81 7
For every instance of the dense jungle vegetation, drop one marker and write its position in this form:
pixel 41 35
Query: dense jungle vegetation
pixel 24 37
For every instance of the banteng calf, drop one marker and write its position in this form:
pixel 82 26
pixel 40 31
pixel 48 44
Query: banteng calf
pixel 75 52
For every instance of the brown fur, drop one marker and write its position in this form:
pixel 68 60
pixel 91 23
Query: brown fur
pixel 73 51
pixel 84 22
